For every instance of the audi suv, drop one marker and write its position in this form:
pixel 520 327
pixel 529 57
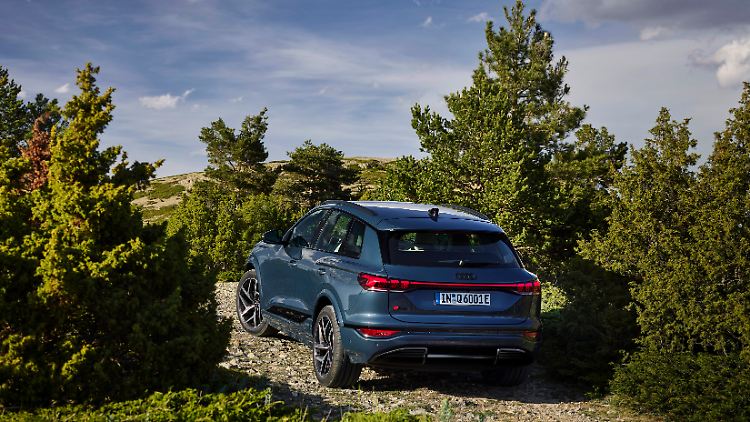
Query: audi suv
pixel 395 285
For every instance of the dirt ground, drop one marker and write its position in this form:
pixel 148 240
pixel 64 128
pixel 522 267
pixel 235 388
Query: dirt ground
pixel 286 366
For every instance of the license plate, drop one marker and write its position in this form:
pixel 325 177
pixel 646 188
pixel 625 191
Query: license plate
pixel 462 299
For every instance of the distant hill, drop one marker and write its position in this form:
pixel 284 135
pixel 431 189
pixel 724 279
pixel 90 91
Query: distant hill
pixel 160 199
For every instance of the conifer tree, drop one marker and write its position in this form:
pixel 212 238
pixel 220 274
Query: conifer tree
pixel 492 154
pixel 582 173
pixel 236 159
pixel 684 242
pixel 14 116
pixel 37 152
pixel 721 241
pixel 110 309
pixel 315 173
pixel 401 181
pixel 651 201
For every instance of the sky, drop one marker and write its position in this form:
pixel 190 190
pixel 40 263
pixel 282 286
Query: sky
pixel 347 72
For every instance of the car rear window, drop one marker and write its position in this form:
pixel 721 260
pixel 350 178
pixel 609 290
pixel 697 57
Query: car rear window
pixel 451 249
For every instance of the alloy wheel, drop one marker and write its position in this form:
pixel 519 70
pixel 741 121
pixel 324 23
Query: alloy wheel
pixel 323 346
pixel 249 303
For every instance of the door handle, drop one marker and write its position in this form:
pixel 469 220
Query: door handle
pixel 293 262
pixel 321 271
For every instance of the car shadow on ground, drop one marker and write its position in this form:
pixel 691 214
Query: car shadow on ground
pixel 538 388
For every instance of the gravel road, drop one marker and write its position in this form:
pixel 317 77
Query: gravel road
pixel 286 366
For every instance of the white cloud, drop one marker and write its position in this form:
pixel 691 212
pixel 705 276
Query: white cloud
pixel 479 17
pixel 625 84
pixel 236 99
pixel 733 60
pixel 427 22
pixel 653 32
pixel 21 95
pixel 161 102
pixel 63 89
pixel 355 71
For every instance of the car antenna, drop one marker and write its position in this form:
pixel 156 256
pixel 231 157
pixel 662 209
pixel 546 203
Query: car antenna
pixel 433 213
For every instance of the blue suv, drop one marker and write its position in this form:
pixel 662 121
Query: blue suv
pixel 395 285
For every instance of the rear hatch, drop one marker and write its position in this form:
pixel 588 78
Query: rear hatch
pixel 456 277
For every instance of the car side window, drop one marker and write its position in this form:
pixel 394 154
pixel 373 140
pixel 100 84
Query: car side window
pixel 342 234
pixel 306 231
pixel 352 246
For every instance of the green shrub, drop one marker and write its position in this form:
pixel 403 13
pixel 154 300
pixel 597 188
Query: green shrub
pixel 158 190
pixel 95 306
pixel 193 405
pixel 685 386
pixel 683 239
pixel 223 225
pixel 185 405
pixel 262 213
pixel 157 215
pixel 394 416
pixel 586 337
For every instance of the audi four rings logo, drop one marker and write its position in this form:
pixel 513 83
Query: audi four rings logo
pixel 466 276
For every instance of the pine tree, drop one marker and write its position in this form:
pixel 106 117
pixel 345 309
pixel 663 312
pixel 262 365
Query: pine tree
pixel 648 230
pixel 315 173
pixel 14 116
pixel 684 242
pixel 582 173
pixel 401 181
pixel 492 154
pixel 719 316
pixel 236 159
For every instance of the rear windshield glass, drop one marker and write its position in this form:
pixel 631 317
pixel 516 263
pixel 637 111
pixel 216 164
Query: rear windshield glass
pixel 451 249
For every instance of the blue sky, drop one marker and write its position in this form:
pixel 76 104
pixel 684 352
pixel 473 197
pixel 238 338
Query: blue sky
pixel 347 72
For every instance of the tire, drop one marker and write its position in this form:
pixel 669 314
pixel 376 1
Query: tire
pixel 330 362
pixel 248 306
pixel 510 376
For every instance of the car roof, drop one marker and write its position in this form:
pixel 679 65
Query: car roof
pixel 392 215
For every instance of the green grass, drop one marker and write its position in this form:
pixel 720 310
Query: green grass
pixel 372 177
pixel 155 215
pixel 159 190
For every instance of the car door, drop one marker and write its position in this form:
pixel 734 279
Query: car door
pixel 335 259
pixel 282 290
pixel 309 276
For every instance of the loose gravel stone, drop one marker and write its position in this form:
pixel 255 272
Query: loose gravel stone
pixel 286 366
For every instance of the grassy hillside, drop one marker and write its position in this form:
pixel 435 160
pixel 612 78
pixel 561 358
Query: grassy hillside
pixel 161 198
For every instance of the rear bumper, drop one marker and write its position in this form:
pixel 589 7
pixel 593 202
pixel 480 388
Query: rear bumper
pixel 448 351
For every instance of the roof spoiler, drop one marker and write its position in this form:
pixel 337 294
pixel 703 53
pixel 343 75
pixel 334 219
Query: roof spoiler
pixel 466 210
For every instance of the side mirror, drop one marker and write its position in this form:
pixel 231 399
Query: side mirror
pixel 273 237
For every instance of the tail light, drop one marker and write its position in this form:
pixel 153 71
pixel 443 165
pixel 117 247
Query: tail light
pixel 377 332
pixel 529 288
pixel 377 283
pixel 531 335
pixel 381 284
